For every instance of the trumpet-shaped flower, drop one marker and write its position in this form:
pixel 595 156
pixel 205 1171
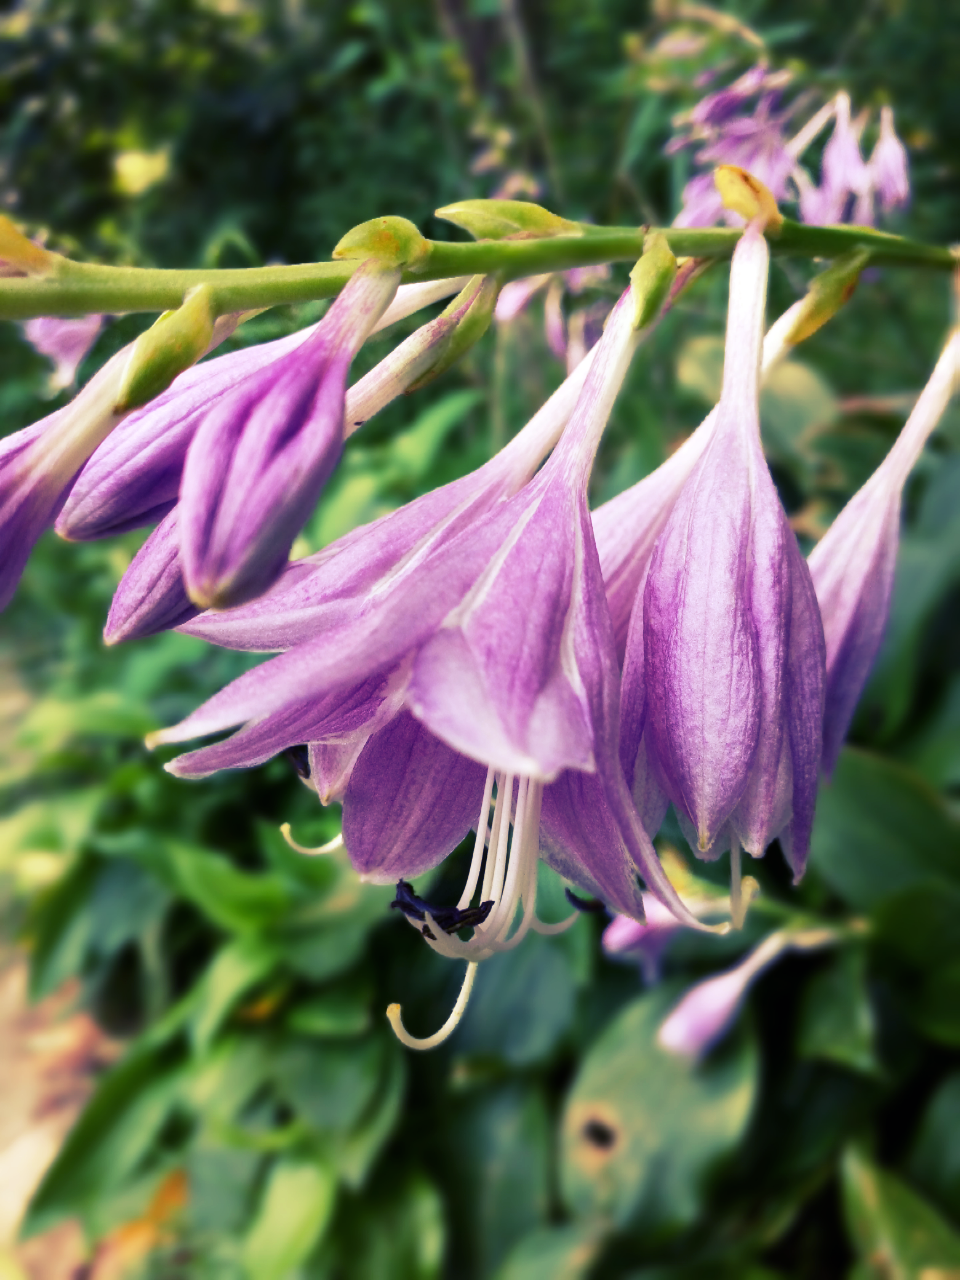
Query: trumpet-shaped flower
pixel 484 605
pixel 889 167
pixel 38 465
pixel 263 452
pixel 853 565
pixel 723 678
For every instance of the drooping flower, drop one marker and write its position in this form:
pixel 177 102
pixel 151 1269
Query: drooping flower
pixel 853 565
pixel 263 452
pixel 152 594
pixel 889 167
pixel 490 615
pixel 63 341
pixel 709 1009
pixel 133 479
pixel 39 463
pixel 569 338
pixel 723 677
pixel 725 129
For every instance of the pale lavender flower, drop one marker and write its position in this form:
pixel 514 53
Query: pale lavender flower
pixel 38 465
pixel 723 676
pixel 708 1010
pixel 843 173
pixel 64 342
pixel 645 941
pixel 889 167
pixel 853 565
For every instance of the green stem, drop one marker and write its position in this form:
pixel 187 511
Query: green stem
pixel 74 288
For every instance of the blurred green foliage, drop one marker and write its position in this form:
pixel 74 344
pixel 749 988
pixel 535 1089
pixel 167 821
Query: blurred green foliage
pixel 552 1137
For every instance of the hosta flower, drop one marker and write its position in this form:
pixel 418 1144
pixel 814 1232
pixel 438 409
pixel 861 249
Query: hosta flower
pixel 483 604
pixel 39 463
pixel 263 452
pixel 133 479
pixel 723 677
pixel 64 342
pixel 709 1009
pixel 153 595
pixel 853 565
pixel 725 129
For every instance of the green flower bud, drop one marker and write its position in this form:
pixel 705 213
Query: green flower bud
pixel 396 242
pixel 651 278
pixel 507 219
pixel 177 340
pixel 476 302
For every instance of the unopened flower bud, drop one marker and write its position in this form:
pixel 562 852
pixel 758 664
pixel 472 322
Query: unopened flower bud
pixel 177 341
pixel 507 220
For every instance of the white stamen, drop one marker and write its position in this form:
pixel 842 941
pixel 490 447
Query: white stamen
pixel 479 843
pixel 541 926
pixel 330 847
pixel 430 1042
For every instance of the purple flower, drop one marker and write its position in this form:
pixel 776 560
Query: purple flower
pixel 65 342
pixel 708 1010
pixel 38 465
pixel 152 594
pixel 843 172
pixel 889 167
pixel 133 479
pixel 646 940
pixel 263 452
pixel 723 678
pixel 853 565
pixel 483 605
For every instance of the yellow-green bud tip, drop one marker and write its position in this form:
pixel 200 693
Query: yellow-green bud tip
pixel 395 242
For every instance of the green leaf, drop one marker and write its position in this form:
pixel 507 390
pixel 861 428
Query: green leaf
pixel 53 722
pixel 296 1207
pixel 794 404
pixel 236 968
pixel 898 1235
pixel 498 1144
pixel 935 1158
pixel 642 1127
pixel 552 1253
pixel 836 1019
pixel 880 829
pixel 700 367
pixel 330 1085
pixel 333 1015
pixel 522 1004
pixel 920 925
pixel 116 1131
pixel 232 899
pixel 61 929
pixel 354 1154
pixel 936 1011
pixel 413 452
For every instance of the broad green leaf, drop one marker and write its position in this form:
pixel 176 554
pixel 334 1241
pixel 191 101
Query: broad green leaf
pixel 52 722
pixel 395 1233
pixel 295 1209
pixel 233 899
pixel 221 1181
pixel 237 967
pixel 354 1153
pixel 898 1235
pixel 795 403
pixel 330 1085
pixel 61 929
pixel 413 452
pixel 115 1132
pixel 642 1127
pixel 936 1010
pixel 521 1005
pixel 920 925
pixel 934 1162
pixel 222 1081
pixel 880 829
pixel 836 1019
pixel 498 1155
pixel 552 1253
pixel 700 367
pixel 336 1014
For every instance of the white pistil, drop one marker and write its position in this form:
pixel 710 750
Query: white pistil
pixel 448 1028
pixel 330 847
pixel 509 863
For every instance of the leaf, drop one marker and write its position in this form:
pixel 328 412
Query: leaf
pixel 115 1132
pixel 935 1159
pixel 355 1153
pixel 642 1127
pixel 61 929
pixel 794 403
pixel 880 829
pixel 296 1207
pixel 232 899
pixel 700 367
pixel 236 968
pixel 337 1014
pixel 836 1019
pixel 498 1144
pixel 919 925
pixel 522 1004
pixel 330 1085
pixel 52 722
pixel 413 452
pixel 552 1253
pixel 937 1009
pixel 898 1235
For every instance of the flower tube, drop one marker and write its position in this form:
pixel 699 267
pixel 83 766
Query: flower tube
pixel 853 565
